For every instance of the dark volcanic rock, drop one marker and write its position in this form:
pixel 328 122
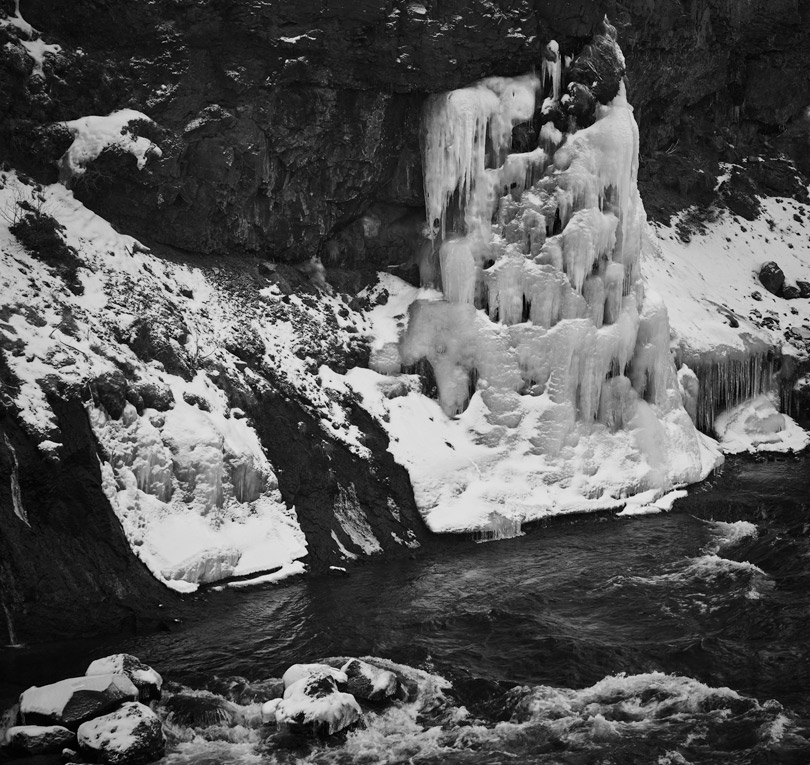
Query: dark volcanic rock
pixel 772 277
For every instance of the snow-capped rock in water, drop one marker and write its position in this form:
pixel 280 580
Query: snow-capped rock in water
pixel 146 680
pixel 556 388
pixel 314 703
pixel 131 735
pixel 72 701
pixel 38 739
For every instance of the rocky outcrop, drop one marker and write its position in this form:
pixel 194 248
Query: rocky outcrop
pixel 69 569
pixel 280 124
pixel 284 125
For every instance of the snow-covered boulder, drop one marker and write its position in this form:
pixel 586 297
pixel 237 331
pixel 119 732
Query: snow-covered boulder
pixel 368 682
pixel 70 702
pixel 132 735
pixel 298 671
pixel 314 704
pixel 756 426
pixel 38 739
pixel 146 680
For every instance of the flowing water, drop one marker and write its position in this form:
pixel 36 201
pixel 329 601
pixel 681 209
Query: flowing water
pixel 672 638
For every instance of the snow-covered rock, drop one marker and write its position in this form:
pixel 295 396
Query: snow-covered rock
pixel 757 426
pixel 72 701
pixel 315 704
pixel 132 735
pixel 39 739
pixel 94 134
pixel 146 680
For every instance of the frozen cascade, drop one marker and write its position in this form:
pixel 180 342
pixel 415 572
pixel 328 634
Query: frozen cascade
pixel 544 343
pixel 16 494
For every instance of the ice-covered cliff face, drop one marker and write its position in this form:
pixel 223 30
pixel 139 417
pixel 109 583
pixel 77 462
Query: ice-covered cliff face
pixel 552 366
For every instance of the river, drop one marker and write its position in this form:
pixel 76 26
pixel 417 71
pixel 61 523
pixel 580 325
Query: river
pixel 711 596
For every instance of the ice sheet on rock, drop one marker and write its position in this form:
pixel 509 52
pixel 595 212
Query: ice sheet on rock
pixel 196 496
pixel 757 426
pixel 94 134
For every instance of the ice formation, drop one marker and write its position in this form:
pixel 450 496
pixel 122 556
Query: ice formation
pixel 756 425
pixel 543 343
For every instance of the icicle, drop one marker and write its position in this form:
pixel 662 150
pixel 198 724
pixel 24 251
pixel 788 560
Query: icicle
pixel 456 127
pixel 12 636
pixel 459 271
pixel 552 69
pixel 16 494
pixel 614 288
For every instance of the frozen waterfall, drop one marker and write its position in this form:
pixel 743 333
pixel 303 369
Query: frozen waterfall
pixel 549 358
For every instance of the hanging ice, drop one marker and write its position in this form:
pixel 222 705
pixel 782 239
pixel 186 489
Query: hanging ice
pixel 544 343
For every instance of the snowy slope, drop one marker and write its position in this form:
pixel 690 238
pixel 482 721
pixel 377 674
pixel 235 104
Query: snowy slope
pixel 713 277
pixel 186 474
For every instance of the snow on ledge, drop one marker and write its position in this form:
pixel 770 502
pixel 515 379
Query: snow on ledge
pixel 756 426
pixel 94 134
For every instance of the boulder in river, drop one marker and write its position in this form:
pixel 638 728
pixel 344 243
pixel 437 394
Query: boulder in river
pixel 131 735
pixel 144 678
pixel 70 702
pixel 200 709
pixel 38 739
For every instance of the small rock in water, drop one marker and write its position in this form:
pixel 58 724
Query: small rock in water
pixel 38 739
pixel 200 709
pixel 132 735
pixel 70 702
pixel 146 680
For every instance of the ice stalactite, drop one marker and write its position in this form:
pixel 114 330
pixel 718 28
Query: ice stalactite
pixel 544 323
pixel 16 494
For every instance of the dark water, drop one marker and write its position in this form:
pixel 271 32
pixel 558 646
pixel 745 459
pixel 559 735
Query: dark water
pixel 692 593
